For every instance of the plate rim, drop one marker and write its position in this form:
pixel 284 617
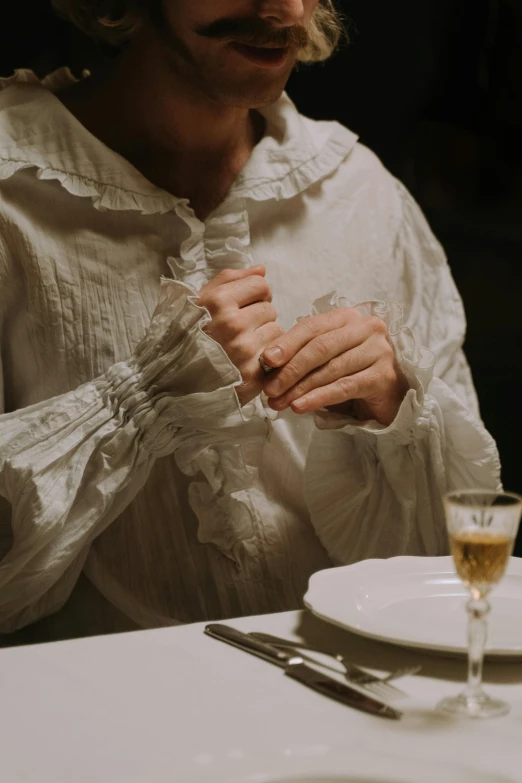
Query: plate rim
pixel 444 564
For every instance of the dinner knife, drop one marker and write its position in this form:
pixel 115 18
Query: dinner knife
pixel 295 668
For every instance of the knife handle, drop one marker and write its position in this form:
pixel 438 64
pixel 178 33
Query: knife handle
pixel 247 643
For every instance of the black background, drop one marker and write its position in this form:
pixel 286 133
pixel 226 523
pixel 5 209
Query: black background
pixel 435 88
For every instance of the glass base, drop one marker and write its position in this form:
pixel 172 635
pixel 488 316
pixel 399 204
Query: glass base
pixel 479 706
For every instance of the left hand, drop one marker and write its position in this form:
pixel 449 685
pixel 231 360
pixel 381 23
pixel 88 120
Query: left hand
pixel 342 360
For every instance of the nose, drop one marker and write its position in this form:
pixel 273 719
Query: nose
pixel 282 13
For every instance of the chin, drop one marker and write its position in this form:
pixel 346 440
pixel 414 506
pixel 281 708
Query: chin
pixel 247 97
pixel 254 102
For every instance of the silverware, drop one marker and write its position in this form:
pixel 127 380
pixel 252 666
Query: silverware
pixel 353 673
pixel 295 667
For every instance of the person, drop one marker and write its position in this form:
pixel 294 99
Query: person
pixel 231 347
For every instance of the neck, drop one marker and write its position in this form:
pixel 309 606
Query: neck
pixel 171 132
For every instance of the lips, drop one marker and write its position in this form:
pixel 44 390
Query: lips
pixel 268 57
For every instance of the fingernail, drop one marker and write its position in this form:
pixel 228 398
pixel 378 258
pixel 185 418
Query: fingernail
pixel 273 354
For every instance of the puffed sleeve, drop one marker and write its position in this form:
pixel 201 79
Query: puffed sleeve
pixel 376 491
pixel 70 465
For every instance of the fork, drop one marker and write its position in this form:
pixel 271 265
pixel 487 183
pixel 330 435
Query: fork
pixel 353 673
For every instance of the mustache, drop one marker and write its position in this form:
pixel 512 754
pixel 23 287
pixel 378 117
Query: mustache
pixel 256 32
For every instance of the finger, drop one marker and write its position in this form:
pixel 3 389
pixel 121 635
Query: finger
pixel 256 315
pixel 246 319
pixel 268 333
pixel 348 363
pixel 231 275
pixel 319 352
pixel 263 337
pixel 236 294
pixel 306 330
pixel 353 387
pixel 249 291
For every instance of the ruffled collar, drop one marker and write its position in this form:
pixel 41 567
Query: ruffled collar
pixel 37 131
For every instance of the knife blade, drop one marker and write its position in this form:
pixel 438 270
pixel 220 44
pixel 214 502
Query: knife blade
pixel 295 668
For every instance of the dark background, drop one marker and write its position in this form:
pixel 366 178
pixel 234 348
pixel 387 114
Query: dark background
pixel 435 88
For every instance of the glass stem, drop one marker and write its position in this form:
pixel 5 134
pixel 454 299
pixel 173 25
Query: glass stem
pixel 478 609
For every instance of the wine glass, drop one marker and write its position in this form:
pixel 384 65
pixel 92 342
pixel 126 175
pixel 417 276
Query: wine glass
pixel 482 527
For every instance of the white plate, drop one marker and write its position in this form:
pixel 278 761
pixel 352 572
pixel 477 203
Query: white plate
pixel 416 602
pixel 331 765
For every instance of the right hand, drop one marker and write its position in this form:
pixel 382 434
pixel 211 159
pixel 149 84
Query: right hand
pixel 243 322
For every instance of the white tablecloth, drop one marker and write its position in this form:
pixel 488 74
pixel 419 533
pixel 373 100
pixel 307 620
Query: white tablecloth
pixel 175 705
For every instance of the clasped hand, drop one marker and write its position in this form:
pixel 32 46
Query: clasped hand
pixel 341 360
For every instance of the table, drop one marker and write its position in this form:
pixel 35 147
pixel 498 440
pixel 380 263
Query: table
pixel 164 706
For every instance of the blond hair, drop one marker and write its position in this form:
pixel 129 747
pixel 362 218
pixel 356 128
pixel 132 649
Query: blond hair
pixel 116 21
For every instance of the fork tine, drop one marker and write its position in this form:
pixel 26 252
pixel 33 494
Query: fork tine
pixel 373 687
pixel 386 692
pixel 404 672
pixel 385 688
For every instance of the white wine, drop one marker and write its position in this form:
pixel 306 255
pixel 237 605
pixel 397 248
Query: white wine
pixel 480 556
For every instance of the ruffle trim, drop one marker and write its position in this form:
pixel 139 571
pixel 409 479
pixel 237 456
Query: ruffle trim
pixel 222 433
pixel 298 165
pixel 417 363
pixel 303 175
pixel 222 243
pixel 56 80
pixel 104 197
pixel 176 357
pixel 23 76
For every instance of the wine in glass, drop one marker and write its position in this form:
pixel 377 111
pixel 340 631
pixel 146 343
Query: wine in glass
pixel 482 527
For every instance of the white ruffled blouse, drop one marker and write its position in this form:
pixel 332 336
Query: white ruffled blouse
pixel 124 453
